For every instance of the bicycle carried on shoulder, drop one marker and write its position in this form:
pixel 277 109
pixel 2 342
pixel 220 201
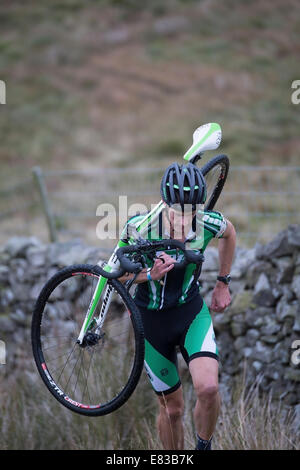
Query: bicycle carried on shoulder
pixel 90 355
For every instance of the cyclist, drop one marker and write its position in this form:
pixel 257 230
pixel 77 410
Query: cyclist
pixel 173 311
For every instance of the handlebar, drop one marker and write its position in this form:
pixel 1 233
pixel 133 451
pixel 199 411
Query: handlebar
pixel 130 266
pixel 109 275
pixel 127 265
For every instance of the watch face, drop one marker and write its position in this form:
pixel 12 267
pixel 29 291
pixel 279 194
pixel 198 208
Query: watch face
pixel 225 279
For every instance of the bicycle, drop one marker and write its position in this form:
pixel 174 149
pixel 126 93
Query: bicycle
pixel 110 338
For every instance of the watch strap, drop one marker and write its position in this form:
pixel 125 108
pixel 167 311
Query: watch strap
pixel 225 279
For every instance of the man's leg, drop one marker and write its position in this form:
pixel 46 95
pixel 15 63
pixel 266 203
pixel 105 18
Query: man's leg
pixel 204 372
pixel 169 421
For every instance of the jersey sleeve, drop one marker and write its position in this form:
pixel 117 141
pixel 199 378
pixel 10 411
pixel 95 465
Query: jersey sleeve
pixel 215 222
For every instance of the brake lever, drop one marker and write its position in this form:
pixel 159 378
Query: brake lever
pixel 131 281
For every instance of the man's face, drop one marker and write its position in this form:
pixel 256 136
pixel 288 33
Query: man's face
pixel 180 221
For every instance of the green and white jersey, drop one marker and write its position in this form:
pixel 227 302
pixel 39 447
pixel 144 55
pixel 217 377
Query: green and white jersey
pixel 180 285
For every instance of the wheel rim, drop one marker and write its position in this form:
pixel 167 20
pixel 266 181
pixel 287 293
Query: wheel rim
pixel 214 182
pixel 93 375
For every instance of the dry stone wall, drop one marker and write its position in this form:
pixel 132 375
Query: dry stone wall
pixel 258 330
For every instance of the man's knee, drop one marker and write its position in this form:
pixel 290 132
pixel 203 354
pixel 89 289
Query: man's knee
pixel 207 391
pixel 172 406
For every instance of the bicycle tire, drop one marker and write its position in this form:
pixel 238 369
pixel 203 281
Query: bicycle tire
pixel 42 324
pixel 219 165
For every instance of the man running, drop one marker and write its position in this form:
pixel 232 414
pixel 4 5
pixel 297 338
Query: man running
pixel 173 311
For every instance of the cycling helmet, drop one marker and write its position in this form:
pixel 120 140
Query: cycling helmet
pixel 183 184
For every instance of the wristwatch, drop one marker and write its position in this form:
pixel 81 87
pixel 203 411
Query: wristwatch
pixel 226 279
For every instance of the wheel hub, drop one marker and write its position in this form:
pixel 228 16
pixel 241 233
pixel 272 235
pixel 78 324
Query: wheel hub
pixel 91 339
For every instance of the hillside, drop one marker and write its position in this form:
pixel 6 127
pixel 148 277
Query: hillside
pixel 90 83
pixel 113 83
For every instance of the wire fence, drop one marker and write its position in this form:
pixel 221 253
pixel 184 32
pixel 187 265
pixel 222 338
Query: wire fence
pixel 60 205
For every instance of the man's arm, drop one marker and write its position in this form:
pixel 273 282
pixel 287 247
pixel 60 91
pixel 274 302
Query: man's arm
pixel 226 248
pixel 142 277
pixel 221 295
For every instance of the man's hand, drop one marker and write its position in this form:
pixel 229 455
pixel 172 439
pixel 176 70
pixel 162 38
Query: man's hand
pixel 220 297
pixel 162 265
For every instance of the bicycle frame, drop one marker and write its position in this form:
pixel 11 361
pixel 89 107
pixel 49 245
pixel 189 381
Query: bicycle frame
pixel 113 263
pixel 206 137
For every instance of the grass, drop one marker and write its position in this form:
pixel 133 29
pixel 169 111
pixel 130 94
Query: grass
pixel 30 418
pixel 255 422
pixel 50 99
pixel 257 202
pixel 76 101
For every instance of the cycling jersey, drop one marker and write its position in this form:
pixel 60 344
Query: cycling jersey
pixel 175 315
pixel 180 285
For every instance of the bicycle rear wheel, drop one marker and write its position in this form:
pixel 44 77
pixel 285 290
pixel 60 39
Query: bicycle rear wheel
pixel 215 172
pixel 97 377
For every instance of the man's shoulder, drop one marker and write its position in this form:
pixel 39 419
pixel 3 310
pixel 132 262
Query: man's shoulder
pixel 213 217
pixel 210 216
pixel 213 221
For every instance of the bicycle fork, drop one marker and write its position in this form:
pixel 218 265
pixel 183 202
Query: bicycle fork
pixel 112 263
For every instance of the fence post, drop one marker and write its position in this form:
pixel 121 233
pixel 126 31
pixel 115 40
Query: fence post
pixel 42 189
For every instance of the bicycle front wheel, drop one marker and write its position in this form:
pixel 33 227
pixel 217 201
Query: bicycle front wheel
pixel 215 172
pixel 98 376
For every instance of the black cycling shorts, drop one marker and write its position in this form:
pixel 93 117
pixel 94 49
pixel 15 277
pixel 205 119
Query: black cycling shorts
pixel 188 327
